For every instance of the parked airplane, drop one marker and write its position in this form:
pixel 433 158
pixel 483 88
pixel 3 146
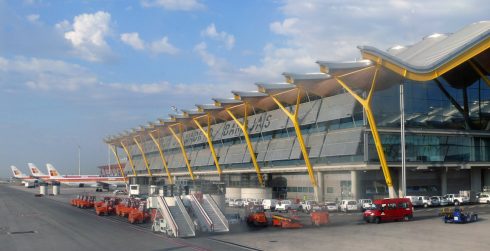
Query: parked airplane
pixel 37 173
pixel 84 180
pixel 21 176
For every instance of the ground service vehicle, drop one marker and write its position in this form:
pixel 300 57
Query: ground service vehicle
pixel 256 216
pixel 87 202
pixel 285 222
pixel 389 210
pixel 74 201
pixel 140 214
pixel 126 207
pixel 319 218
pixel 458 216
pixel 107 207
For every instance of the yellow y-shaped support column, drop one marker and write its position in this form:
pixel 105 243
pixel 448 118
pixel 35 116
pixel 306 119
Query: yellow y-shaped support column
pixel 144 156
pixel 483 76
pixel 114 150
pixel 182 148
pixel 129 158
pixel 294 118
pixel 366 103
pixel 207 134
pixel 162 156
pixel 244 127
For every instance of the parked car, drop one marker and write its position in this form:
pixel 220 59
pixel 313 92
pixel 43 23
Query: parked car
pixel 310 205
pixel 434 201
pixel 442 201
pixel 457 199
pixel 419 201
pixel 348 205
pixel 286 205
pixel 119 192
pixel 269 204
pixel 484 198
pixel 331 206
pixel 238 203
pixel 389 210
pixel 365 204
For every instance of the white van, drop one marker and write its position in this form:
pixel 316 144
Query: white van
pixel 269 204
pixel 348 205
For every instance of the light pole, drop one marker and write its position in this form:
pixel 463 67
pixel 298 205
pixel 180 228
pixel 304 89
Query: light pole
pixel 79 173
pixel 402 141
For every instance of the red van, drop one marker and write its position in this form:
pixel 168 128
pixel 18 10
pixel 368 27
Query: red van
pixel 389 210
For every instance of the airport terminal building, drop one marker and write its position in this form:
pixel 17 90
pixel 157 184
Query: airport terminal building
pixel 338 133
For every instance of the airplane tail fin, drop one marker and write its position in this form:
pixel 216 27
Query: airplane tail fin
pixel 17 173
pixel 35 171
pixel 53 173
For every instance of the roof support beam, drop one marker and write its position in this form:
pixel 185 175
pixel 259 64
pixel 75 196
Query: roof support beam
pixel 129 158
pixel 477 69
pixel 144 157
pixel 114 150
pixel 294 118
pixel 162 156
pixel 244 127
pixel 366 103
pixel 182 147
pixel 207 134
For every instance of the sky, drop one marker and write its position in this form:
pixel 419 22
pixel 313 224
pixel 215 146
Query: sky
pixel 74 72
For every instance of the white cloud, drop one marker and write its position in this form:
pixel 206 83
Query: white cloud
pixel 227 39
pixel 88 35
pixel 33 18
pixel 183 5
pixel 45 74
pixel 152 88
pixel 163 46
pixel 331 30
pixel 286 27
pixel 156 47
pixel 133 39
pixel 210 59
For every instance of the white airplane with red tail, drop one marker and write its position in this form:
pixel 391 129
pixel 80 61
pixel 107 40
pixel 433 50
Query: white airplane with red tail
pixel 84 180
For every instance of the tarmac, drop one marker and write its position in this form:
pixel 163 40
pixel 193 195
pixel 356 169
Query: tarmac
pixel 50 223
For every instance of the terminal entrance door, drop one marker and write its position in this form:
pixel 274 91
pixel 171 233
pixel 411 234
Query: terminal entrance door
pixel 279 187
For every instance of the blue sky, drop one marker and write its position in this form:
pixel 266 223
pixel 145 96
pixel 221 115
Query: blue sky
pixel 74 72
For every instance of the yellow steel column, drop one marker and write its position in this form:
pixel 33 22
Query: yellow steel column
pixel 144 156
pixel 129 158
pixel 244 127
pixel 297 129
pixel 366 103
pixel 114 150
pixel 182 147
pixel 162 156
pixel 483 76
pixel 207 134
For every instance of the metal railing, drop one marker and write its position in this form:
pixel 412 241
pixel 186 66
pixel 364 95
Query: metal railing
pixel 168 215
pixel 181 206
pixel 216 210
pixel 195 203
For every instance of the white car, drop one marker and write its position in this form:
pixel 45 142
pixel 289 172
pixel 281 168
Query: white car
pixel 365 204
pixel 331 206
pixel 269 204
pixel 310 205
pixel 348 205
pixel 484 198
pixel 286 205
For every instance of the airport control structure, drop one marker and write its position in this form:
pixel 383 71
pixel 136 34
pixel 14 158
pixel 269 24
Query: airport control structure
pixel 339 133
